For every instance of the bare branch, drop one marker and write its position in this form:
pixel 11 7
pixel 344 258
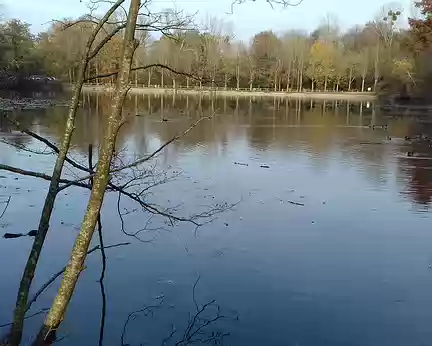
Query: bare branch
pixel 272 3
pixel 163 146
pixel 56 275
pixel 142 160
pixel 146 67
pixel 41 311
pixel 106 39
pixel 41 176
pixel 48 143
pixel 147 310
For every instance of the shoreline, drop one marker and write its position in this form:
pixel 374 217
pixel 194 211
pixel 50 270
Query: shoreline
pixel 337 96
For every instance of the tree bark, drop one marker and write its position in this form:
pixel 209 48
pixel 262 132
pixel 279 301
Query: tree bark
pixel 58 309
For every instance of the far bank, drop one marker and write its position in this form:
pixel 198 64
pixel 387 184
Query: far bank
pixel 342 96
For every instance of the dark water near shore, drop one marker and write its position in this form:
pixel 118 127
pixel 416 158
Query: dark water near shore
pixel 349 267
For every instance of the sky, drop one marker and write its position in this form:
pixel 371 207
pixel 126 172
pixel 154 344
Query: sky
pixel 246 20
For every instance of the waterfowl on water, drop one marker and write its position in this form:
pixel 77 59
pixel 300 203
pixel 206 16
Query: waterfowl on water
pixel 412 154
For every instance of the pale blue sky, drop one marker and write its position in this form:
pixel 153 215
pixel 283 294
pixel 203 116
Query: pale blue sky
pixel 246 20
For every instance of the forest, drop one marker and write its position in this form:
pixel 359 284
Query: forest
pixel 378 56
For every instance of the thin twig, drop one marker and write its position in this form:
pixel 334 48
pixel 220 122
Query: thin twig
pixel 56 275
pixel 103 256
pixel 46 142
pixel 5 208
pixel 145 67
pixel 163 146
pixel 193 292
pixel 41 311
pixel 144 159
pixel 147 310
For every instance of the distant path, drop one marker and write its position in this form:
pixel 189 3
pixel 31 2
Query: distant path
pixel 347 96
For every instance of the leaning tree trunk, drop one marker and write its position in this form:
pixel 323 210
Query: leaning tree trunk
pixel 14 338
pixel 75 266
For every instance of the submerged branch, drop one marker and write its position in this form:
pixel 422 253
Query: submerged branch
pixel 6 206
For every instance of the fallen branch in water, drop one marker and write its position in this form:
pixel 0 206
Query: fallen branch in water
pixel 6 206
pixel 296 203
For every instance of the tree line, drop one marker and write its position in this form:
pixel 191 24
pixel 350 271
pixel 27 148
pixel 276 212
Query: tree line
pixel 378 55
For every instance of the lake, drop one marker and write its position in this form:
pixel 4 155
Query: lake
pixel 328 243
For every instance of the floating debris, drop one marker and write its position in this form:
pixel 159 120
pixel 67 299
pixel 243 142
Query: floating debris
pixel 296 203
pixel 32 233
pixel 265 166
pixel 241 164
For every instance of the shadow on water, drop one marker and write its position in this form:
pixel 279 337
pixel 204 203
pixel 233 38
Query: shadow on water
pixel 330 245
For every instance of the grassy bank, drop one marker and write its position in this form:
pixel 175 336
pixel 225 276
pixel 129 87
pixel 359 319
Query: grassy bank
pixel 348 96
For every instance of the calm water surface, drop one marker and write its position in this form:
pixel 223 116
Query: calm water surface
pixel 350 267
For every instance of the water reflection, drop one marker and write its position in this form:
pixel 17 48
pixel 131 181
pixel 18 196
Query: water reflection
pixel 330 245
pixel 356 132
